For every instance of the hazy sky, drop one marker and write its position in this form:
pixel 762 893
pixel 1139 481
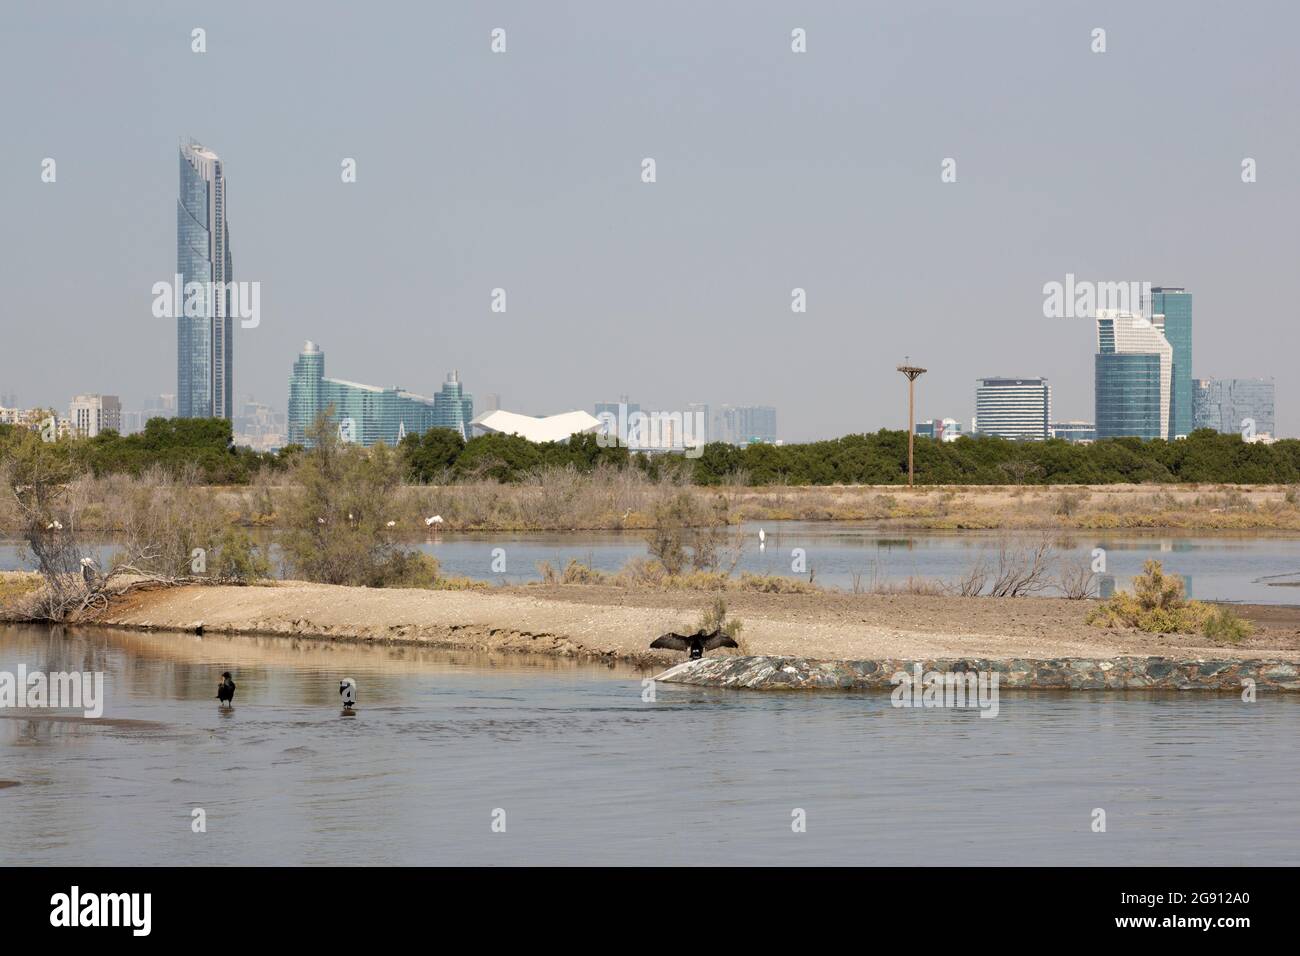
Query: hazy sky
pixel 775 170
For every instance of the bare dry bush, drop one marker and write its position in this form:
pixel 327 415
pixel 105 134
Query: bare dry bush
pixel 1076 581
pixel 1023 569
pixel 974 580
pixel 686 530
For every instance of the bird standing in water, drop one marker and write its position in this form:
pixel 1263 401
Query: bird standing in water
pixel 696 643
pixel 226 689
pixel 348 691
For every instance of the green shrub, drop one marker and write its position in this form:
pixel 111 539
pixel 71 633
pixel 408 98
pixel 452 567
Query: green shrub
pixel 405 569
pixel 1223 625
pixel 238 560
pixel 1158 605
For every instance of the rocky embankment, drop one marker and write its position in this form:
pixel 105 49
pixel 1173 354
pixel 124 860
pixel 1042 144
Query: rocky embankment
pixel 1123 673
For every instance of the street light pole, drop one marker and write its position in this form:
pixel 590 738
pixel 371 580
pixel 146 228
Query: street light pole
pixel 912 373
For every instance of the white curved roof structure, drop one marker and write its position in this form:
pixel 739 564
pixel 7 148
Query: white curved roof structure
pixel 550 428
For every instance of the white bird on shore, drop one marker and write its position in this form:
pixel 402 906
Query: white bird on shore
pixel 54 526
pixel 320 520
pixel 392 524
pixel 436 519
pixel 88 570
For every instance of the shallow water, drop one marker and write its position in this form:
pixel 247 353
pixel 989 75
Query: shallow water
pixel 587 772
pixel 1222 568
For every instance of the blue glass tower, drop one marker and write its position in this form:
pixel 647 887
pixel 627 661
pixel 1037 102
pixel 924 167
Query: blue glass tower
pixel 204 350
pixel 1176 306
pixel 453 407
pixel 1128 394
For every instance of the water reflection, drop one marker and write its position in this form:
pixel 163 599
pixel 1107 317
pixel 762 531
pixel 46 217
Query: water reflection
pixel 588 772
pixel 1223 567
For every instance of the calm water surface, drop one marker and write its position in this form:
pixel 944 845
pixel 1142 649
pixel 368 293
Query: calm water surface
pixel 1224 568
pixel 587 772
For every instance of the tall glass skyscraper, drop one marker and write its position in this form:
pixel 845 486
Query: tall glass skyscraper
pixel 204 354
pixel 1176 307
pixel 1134 366
pixel 364 414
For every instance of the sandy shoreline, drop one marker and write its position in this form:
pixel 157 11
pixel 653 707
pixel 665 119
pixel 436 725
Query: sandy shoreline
pixel 615 623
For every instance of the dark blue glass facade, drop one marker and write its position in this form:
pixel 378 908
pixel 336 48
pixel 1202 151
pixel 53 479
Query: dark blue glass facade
pixel 1128 395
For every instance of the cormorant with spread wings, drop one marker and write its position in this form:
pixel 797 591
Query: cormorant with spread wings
pixel 696 643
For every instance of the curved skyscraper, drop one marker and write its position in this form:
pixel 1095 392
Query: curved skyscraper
pixel 1134 369
pixel 204 356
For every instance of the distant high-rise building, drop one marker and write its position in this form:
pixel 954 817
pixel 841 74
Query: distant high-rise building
pixel 1229 405
pixel 452 407
pixel 623 419
pixel 699 422
pixel 164 406
pixel 92 414
pixel 204 349
pixel 259 426
pixel 745 424
pixel 1133 376
pixel 491 401
pixel 161 406
pixel 1019 409
pixel 1175 305
pixel 942 429
pixel 1074 431
pixel 364 414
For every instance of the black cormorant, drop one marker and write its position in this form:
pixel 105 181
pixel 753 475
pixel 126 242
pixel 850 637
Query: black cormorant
pixel 226 689
pixel 696 643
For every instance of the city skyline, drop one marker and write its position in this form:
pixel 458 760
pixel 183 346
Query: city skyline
pixel 540 195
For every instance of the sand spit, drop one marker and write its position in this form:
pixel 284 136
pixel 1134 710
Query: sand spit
pixel 616 623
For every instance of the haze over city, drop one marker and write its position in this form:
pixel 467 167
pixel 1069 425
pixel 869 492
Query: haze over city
pixel 775 171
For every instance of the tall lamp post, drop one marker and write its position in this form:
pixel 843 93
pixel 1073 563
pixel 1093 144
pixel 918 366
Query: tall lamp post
pixel 912 373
